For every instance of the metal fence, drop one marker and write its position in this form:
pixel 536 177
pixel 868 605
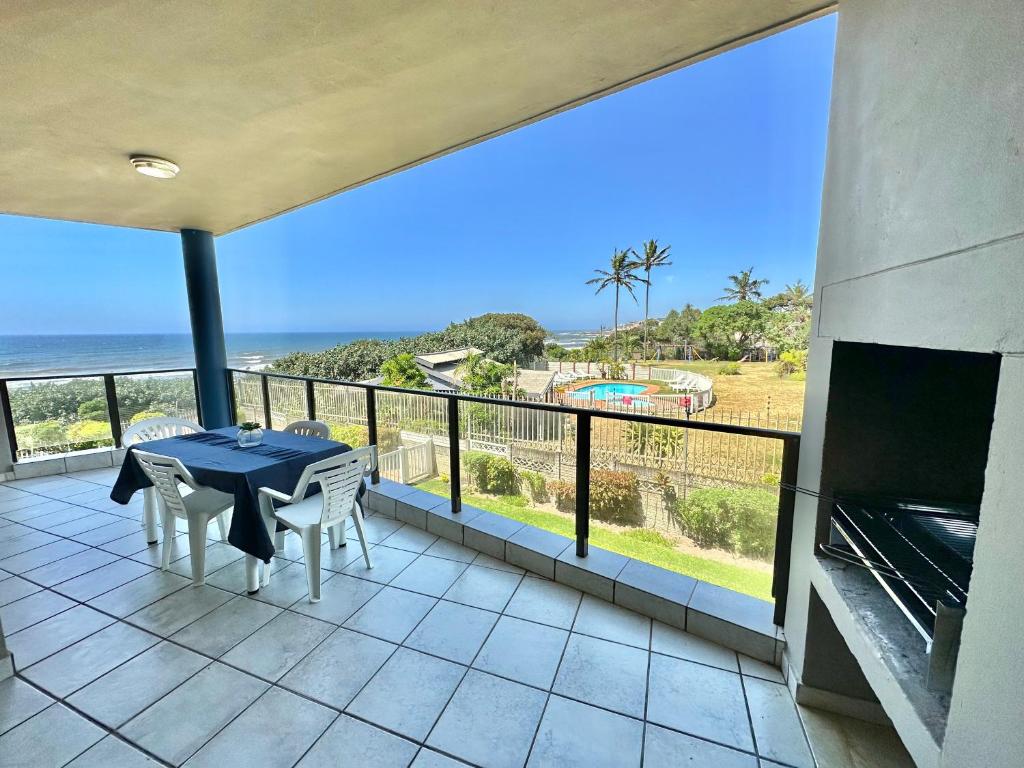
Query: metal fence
pixel 452 422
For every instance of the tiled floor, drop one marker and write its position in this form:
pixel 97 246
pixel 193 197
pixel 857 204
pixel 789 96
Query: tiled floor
pixel 436 657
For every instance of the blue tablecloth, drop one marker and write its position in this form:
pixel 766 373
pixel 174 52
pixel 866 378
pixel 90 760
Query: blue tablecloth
pixel 215 459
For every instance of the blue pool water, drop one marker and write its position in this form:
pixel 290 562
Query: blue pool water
pixel 607 391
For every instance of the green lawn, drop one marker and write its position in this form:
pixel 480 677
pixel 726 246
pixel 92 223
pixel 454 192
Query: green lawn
pixel 640 544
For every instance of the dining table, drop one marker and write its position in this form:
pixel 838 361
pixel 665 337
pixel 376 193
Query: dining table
pixel 215 459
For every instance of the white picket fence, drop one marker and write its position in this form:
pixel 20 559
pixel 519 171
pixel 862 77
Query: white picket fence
pixel 410 463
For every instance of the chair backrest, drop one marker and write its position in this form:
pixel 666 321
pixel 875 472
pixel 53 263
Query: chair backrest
pixel 310 429
pixel 339 478
pixel 166 472
pixel 158 428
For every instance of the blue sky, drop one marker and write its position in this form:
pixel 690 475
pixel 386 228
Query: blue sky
pixel 722 160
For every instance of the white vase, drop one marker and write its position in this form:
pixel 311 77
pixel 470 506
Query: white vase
pixel 247 438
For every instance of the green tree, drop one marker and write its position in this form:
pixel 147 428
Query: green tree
pixel 744 287
pixel 630 344
pixel 622 274
pixel 93 410
pixel 651 258
pixel 677 327
pixel 402 371
pixel 481 376
pixel 596 349
pixel 726 330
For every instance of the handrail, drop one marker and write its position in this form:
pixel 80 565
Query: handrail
pixel 109 394
pixel 642 418
pixel 62 376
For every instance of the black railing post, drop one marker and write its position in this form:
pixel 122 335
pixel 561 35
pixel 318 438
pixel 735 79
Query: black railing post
pixel 232 400
pixel 310 401
pixel 5 407
pixel 113 410
pixel 265 384
pixel 582 484
pixel 455 468
pixel 784 525
pixel 371 430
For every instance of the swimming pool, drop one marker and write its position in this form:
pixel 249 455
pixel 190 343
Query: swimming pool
pixel 607 391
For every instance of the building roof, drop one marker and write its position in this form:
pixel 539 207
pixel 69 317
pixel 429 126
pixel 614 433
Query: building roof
pixel 534 382
pixel 446 358
pixel 267 106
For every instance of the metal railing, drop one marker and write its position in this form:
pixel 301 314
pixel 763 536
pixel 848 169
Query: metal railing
pixel 109 395
pixel 790 454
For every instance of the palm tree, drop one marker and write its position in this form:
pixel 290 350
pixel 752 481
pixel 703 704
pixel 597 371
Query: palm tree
pixel 797 294
pixel 596 349
pixel 629 344
pixel 744 287
pixel 652 257
pixel 622 275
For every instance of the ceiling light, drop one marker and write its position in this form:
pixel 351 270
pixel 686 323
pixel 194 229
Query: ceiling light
pixel 156 167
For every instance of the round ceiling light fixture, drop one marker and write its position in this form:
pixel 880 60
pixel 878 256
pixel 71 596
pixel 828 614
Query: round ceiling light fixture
pixel 156 167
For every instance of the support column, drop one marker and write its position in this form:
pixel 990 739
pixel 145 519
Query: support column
pixel 207 326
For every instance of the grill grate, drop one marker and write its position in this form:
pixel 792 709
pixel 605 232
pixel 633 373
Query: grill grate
pixel 922 553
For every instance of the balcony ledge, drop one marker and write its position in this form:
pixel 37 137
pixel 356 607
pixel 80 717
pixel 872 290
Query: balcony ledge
pixel 714 613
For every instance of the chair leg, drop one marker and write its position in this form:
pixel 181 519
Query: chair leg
pixel 222 524
pixel 271 525
pixel 311 553
pixel 278 538
pixel 357 520
pixel 197 526
pixel 149 514
pixel 169 524
pixel 336 535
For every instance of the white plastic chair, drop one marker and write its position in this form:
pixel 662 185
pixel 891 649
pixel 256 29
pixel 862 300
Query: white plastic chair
pixel 156 428
pixel 339 478
pixel 309 429
pixel 196 508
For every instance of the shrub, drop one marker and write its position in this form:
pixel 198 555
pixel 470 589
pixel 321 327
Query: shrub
pixel 536 484
pixel 89 434
pixel 654 440
pixel 490 474
pixel 729 369
pixel 443 477
pixel 564 494
pixel 142 415
pixel 615 497
pixel 501 476
pixel 474 465
pixel 42 434
pixel 354 435
pixel 93 410
pixel 734 520
pixel 791 363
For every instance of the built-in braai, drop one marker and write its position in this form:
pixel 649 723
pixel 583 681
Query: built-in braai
pixel 903 470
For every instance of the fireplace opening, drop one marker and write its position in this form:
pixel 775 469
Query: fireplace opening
pixel 903 471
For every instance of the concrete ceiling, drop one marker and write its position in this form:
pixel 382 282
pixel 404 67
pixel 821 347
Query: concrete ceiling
pixel 270 105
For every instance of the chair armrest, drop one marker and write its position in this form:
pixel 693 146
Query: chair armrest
pixel 277 495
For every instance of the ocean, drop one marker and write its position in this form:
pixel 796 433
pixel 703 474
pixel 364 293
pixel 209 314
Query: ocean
pixel 55 355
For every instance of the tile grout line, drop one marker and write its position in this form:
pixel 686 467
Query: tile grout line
pixel 467 670
pixel 647 693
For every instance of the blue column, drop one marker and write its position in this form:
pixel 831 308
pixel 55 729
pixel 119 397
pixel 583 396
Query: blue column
pixel 207 326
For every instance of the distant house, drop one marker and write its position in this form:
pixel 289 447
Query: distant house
pixel 441 370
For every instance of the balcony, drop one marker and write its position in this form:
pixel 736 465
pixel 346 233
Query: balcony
pixel 442 654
